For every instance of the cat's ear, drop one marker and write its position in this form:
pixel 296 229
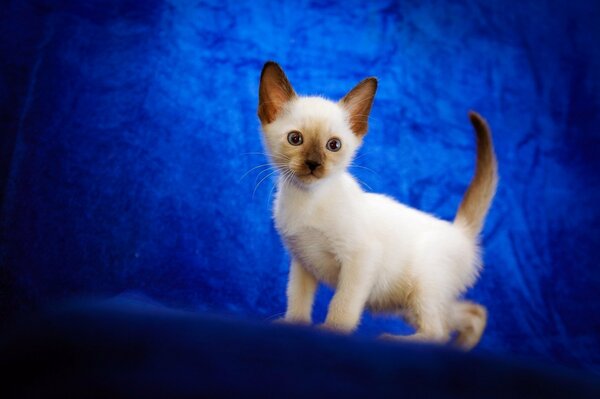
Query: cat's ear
pixel 275 90
pixel 358 103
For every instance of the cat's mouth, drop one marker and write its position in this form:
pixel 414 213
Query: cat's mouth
pixel 309 176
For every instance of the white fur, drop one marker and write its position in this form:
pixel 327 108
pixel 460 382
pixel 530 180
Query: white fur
pixel 374 251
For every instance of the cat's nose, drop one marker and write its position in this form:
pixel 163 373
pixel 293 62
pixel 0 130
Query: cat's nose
pixel 312 165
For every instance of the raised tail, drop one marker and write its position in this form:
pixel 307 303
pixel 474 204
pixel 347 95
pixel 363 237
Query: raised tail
pixel 478 198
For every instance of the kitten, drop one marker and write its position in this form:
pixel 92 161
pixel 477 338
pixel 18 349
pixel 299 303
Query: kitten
pixel 375 252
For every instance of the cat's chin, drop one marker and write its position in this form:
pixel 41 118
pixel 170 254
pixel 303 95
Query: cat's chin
pixel 306 181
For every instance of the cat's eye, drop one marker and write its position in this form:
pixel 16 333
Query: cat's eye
pixel 334 145
pixel 295 138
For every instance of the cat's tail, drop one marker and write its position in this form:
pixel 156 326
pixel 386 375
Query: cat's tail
pixel 478 198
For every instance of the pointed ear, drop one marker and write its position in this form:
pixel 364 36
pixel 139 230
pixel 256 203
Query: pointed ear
pixel 275 90
pixel 358 104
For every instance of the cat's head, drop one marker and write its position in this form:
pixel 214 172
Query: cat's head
pixel 311 138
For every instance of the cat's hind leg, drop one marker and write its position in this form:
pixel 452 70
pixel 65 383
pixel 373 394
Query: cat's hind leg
pixel 467 318
pixel 428 318
pixel 427 308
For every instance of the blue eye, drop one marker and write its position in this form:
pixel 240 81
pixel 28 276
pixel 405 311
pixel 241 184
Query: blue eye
pixel 334 145
pixel 295 138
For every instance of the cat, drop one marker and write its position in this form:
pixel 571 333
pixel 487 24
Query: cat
pixel 375 252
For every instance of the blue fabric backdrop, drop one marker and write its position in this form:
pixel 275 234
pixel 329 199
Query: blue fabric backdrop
pixel 127 127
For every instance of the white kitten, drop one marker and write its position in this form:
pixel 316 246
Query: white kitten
pixel 375 252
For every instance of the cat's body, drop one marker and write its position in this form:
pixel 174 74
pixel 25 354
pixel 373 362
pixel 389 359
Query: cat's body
pixel 375 252
pixel 331 220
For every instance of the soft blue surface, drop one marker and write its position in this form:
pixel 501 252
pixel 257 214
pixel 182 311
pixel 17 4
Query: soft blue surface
pixel 130 348
pixel 127 127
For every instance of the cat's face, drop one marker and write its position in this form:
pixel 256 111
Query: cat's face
pixel 311 138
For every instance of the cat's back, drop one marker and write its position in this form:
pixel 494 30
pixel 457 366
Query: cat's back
pixel 385 208
pixel 400 226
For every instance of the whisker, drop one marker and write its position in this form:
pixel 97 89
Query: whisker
pixel 276 315
pixel 361 155
pixel 267 166
pixel 365 184
pixel 263 171
pixel 280 155
pixel 270 194
pixel 289 177
pixel 263 179
pixel 256 167
pixel 285 176
pixel 363 167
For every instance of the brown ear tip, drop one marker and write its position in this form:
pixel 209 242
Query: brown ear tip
pixel 373 80
pixel 271 64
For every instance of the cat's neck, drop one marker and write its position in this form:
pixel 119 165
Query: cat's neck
pixel 332 185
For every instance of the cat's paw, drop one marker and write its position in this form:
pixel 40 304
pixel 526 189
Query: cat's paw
pixel 332 329
pixel 390 337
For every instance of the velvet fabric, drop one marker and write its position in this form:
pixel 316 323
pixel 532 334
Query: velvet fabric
pixel 128 128
pixel 129 347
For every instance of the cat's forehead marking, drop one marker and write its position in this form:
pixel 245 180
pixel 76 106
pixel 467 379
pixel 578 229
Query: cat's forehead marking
pixel 316 127
pixel 318 112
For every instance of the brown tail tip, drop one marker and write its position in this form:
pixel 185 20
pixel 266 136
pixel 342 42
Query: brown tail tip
pixel 477 120
pixel 478 197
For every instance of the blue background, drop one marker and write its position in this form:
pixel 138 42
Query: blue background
pixel 126 128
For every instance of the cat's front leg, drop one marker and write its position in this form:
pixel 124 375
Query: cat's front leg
pixel 354 285
pixel 301 290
